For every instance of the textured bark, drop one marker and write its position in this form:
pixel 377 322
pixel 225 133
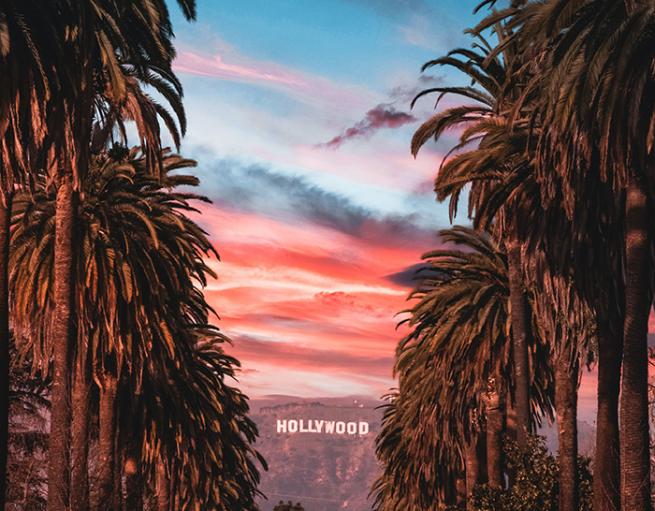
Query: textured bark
pixel 117 491
pixel 495 427
pixel 80 434
pixel 5 217
pixel 106 443
pixel 473 476
pixel 482 456
pixel 606 457
pixel 58 456
pixel 521 332
pixel 163 488
pixel 635 458
pixel 566 401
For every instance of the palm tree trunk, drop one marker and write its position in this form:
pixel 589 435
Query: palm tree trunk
pixel 5 221
pixel 117 490
pixel 163 488
pixel 80 434
pixel 566 401
pixel 133 477
pixel 606 458
pixel 106 443
pixel 472 470
pixel 58 456
pixel 495 427
pixel 521 331
pixel 635 458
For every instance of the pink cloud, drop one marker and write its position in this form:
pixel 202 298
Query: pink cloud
pixel 216 67
pixel 301 85
pixel 304 300
pixel 388 167
pixel 311 310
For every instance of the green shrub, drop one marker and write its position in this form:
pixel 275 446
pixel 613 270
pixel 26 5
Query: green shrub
pixel 535 484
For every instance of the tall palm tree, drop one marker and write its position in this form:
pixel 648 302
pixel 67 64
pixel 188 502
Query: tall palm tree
pixel 456 360
pixel 490 91
pixel 141 324
pixel 107 36
pixel 563 319
pixel 29 44
pixel 594 214
pixel 54 92
pixel 146 113
pixel 501 172
pixel 599 96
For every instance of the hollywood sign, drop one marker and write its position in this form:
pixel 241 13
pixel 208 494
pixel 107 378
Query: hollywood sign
pixel 324 427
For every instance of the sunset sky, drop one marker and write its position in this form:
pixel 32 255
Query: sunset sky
pixel 299 117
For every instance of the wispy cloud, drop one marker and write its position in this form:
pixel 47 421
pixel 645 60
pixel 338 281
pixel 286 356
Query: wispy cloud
pixel 228 64
pixel 301 289
pixel 216 67
pixel 312 359
pixel 260 190
pixel 433 32
pixel 380 117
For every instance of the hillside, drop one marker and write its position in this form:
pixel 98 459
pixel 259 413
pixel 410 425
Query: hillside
pixel 324 471
pixel 330 471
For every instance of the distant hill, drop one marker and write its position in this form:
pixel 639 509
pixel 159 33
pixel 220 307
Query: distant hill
pixel 326 472
pixel 586 438
pixel 331 472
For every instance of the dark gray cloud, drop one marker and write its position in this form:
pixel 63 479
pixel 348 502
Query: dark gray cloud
pixel 381 116
pixel 406 277
pixel 386 115
pixel 260 190
pixel 406 93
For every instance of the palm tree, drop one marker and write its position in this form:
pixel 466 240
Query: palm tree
pixel 431 483
pixel 490 76
pixel 109 35
pixel 598 97
pixel 145 113
pixel 563 319
pixel 196 434
pixel 28 45
pixel 501 172
pixel 593 218
pixel 140 319
pixel 454 365
pixel 68 67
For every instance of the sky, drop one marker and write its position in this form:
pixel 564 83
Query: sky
pixel 299 116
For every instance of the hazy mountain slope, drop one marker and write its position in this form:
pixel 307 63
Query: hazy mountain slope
pixel 330 472
pixel 326 472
